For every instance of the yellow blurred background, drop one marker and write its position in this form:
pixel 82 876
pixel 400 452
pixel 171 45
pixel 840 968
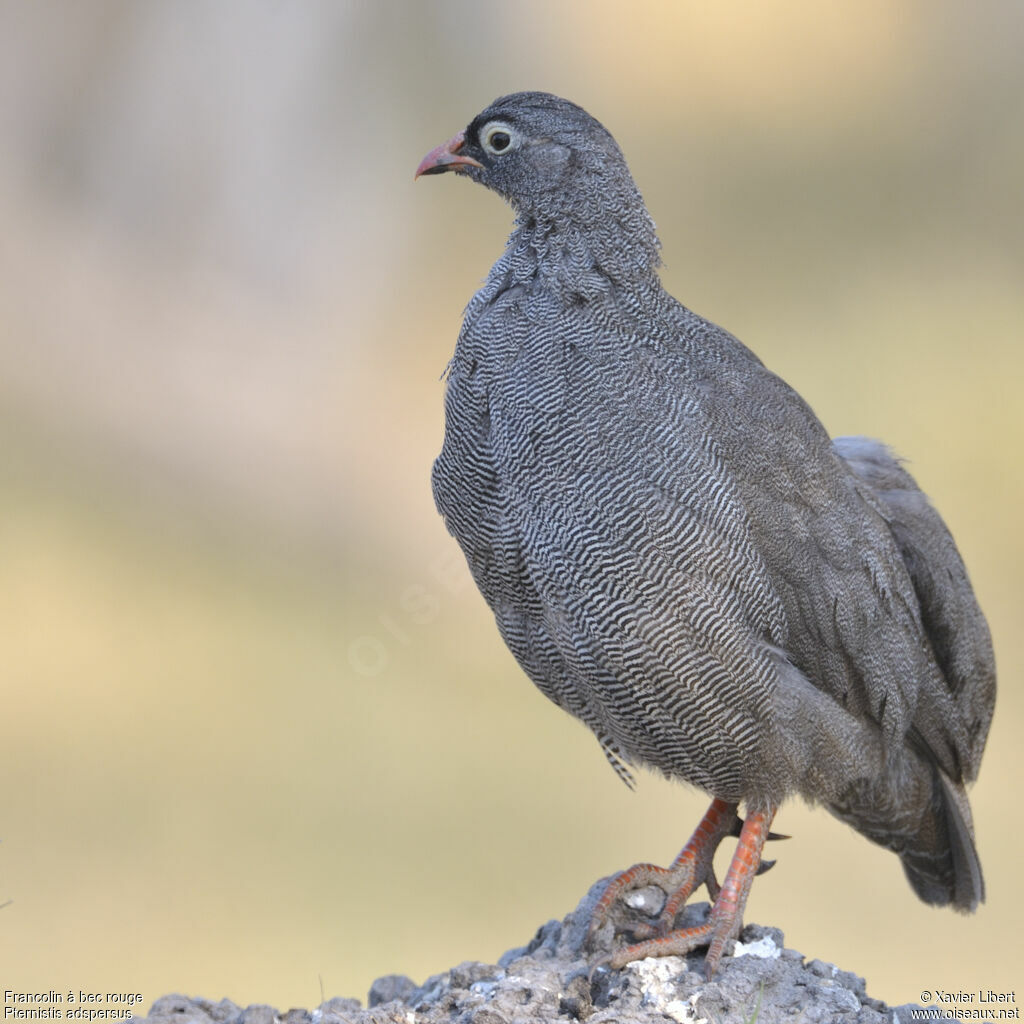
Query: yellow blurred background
pixel 261 739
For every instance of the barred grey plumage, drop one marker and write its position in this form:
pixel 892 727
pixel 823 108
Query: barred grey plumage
pixel 674 550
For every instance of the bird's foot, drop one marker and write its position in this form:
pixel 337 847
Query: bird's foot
pixel 691 869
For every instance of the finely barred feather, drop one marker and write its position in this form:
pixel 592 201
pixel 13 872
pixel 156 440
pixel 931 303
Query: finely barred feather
pixel 674 550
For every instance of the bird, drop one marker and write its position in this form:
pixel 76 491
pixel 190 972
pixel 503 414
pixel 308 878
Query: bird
pixel 678 554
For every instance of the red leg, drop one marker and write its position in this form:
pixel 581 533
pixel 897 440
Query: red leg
pixel 688 871
pixel 692 868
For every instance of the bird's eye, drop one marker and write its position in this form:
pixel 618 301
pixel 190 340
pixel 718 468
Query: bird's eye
pixel 497 137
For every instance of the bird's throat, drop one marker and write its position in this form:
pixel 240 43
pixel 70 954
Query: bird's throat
pixel 582 261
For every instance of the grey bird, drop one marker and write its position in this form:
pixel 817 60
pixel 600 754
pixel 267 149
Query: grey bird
pixel 678 554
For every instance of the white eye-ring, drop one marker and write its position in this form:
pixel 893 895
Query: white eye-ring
pixel 497 137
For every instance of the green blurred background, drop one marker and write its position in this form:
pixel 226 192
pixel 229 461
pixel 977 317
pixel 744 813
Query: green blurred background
pixel 261 739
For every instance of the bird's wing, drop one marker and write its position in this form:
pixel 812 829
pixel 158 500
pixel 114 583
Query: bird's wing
pixel 954 624
pixel 862 620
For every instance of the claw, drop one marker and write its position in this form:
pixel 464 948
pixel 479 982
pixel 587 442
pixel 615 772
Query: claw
pixel 692 868
pixel 604 961
pixel 737 827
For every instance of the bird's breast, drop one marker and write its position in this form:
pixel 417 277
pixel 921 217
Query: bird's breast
pixel 516 384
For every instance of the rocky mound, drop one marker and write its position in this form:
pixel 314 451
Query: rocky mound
pixel 551 980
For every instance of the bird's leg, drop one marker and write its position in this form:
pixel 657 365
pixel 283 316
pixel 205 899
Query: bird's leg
pixel 688 871
pixel 726 917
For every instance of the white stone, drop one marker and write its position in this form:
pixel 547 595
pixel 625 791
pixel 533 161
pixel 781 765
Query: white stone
pixel 764 948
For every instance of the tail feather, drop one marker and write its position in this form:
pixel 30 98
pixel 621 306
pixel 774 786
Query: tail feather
pixel 928 824
pixel 942 864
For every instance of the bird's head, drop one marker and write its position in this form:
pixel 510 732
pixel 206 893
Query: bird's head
pixel 542 153
pixel 568 182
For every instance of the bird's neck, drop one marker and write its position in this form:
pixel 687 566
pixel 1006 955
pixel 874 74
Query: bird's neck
pixel 581 255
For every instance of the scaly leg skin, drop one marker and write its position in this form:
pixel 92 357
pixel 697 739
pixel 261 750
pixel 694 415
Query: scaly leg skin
pixel 690 869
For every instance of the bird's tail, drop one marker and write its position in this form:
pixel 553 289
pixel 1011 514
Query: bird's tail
pixel 928 824
pixel 942 863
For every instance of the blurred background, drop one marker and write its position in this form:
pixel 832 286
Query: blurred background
pixel 261 739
